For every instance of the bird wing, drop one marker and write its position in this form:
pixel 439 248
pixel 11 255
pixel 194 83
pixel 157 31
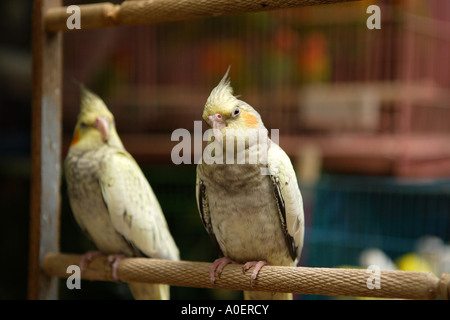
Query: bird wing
pixel 203 209
pixel 133 207
pixel 288 197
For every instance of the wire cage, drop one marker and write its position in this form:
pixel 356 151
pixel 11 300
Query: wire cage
pixel 309 72
pixel 352 214
pixel 391 223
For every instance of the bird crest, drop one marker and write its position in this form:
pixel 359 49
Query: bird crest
pixel 91 105
pixel 221 99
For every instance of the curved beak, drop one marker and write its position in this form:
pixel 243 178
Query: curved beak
pixel 217 123
pixel 102 125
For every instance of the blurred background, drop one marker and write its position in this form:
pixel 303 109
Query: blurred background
pixel 364 115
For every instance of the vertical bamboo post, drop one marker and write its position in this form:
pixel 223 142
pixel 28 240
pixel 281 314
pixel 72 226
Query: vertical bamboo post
pixel 45 151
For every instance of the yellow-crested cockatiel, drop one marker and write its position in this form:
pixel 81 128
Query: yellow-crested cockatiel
pixel 110 197
pixel 253 211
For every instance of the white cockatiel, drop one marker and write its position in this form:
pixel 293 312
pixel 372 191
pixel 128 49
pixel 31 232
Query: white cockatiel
pixel 252 209
pixel 110 197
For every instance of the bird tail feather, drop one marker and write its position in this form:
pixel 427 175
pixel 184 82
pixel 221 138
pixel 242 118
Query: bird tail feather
pixel 145 291
pixel 263 295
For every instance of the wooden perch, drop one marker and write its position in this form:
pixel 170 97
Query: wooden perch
pixel 301 280
pixel 140 12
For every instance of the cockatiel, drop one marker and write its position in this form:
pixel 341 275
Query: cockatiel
pixel 110 197
pixel 252 210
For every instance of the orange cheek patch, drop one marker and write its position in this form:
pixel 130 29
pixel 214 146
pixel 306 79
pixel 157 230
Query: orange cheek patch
pixel 250 120
pixel 76 138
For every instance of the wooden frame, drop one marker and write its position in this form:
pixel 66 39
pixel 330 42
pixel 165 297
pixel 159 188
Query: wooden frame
pixel 49 21
pixel 45 151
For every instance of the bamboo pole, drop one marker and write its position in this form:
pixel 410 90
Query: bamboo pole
pixel 139 12
pixel 302 280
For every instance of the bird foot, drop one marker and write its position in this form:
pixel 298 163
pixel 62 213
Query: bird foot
pixel 114 260
pixel 218 266
pixel 88 257
pixel 258 265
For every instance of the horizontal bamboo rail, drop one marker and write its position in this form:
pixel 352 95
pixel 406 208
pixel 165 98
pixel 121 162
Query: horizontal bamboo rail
pixel 301 280
pixel 139 12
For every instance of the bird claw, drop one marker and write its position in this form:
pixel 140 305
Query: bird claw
pixel 114 260
pixel 258 265
pixel 88 257
pixel 218 266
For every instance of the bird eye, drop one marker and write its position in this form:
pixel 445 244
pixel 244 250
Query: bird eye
pixel 83 125
pixel 236 112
